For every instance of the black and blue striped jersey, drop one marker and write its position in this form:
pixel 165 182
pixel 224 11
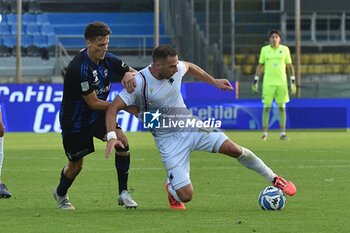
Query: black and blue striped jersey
pixel 83 77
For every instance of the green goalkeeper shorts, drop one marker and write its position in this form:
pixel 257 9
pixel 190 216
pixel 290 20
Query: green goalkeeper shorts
pixel 277 92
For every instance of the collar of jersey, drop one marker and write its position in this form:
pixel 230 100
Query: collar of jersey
pixel 91 62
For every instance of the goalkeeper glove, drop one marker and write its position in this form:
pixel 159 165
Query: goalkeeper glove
pixel 293 86
pixel 255 85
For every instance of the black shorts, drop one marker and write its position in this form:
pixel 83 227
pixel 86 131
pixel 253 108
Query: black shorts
pixel 77 145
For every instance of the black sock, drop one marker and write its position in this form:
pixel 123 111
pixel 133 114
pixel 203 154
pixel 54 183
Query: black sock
pixel 64 185
pixel 122 164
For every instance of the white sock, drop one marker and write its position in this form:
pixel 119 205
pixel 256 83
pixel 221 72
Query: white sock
pixel 173 192
pixel 1 153
pixel 251 161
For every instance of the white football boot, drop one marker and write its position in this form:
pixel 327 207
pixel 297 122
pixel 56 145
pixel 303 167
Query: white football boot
pixel 125 199
pixel 63 202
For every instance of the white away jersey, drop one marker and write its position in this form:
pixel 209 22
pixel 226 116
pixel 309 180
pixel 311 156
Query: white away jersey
pixel 152 95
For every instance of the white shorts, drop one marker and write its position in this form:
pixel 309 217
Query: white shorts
pixel 175 151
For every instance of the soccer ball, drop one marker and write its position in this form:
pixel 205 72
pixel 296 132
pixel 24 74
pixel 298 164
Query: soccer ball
pixel 272 198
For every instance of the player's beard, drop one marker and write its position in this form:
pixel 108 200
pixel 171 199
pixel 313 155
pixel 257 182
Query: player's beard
pixel 165 76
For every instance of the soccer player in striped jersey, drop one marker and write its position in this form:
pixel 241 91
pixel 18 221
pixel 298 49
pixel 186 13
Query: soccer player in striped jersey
pixel 158 93
pixel 82 114
pixel 274 61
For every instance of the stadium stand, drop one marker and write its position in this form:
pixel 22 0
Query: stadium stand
pixel 4 29
pixel 131 23
pixel 28 19
pixel 33 30
pixel 11 19
pixel 311 63
pixel 10 42
pixel 44 30
pixel 14 29
pixel 130 31
pixel 42 19
pixel 324 35
pixel 47 30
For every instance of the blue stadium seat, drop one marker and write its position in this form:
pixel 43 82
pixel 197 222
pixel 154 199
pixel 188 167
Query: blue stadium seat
pixel 135 26
pixel 69 29
pixel 73 42
pixel 4 29
pixel 14 29
pixel 39 47
pixel 26 41
pixel 42 19
pixel 109 18
pixel 28 19
pixel 11 19
pixel 51 40
pixel 126 42
pixel 40 41
pixel 141 29
pixel 33 30
pixel 10 41
pixel 47 30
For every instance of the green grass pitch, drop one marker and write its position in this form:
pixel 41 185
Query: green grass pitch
pixel 225 196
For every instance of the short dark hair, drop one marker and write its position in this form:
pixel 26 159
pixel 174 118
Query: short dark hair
pixel 275 31
pixel 162 52
pixel 96 29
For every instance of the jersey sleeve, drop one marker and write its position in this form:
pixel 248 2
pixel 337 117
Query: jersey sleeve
pixel 262 56
pixel 79 77
pixel 181 67
pixel 288 56
pixel 117 65
pixel 131 98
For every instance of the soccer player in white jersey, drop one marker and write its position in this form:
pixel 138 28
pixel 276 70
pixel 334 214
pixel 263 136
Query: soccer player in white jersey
pixel 4 193
pixel 158 91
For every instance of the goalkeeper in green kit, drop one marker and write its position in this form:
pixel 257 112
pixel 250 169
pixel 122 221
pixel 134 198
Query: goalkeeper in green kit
pixel 275 62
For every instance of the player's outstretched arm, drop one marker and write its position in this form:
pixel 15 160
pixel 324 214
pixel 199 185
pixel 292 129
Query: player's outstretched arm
pixel 199 73
pixel 111 115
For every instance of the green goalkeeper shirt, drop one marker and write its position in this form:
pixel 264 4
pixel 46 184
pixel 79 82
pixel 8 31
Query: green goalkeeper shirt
pixel 274 61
